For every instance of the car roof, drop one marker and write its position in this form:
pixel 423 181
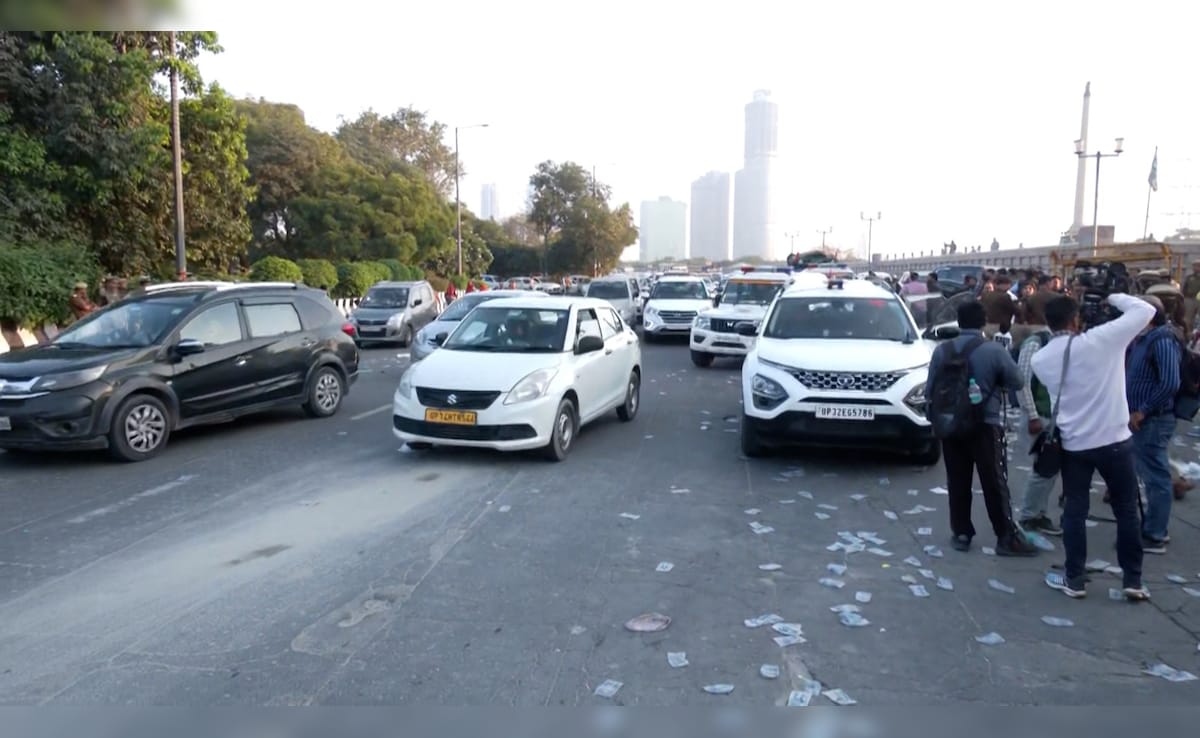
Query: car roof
pixel 504 294
pixel 547 303
pixel 849 288
pixel 679 278
pixel 397 284
pixel 761 277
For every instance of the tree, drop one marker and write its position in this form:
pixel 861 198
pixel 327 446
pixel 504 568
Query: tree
pixel 275 269
pixel 354 280
pixel 404 141
pixel 579 231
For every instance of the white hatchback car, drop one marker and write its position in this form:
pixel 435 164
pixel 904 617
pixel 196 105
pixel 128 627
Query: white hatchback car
pixel 842 365
pixel 674 303
pixel 522 373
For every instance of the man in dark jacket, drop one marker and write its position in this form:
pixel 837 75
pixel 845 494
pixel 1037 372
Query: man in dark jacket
pixel 983 448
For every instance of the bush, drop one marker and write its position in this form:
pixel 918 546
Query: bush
pixel 412 273
pixel 275 269
pixel 319 273
pixel 439 284
pixel 36 281
pixel 354 280
pixel 395 269
pixel 381 271
pixel 460 281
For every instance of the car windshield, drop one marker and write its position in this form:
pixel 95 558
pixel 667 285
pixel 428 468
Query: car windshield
pixel 386 297
pixel 463 305
pixel 839 317
pixel 137 324
pixel 511 330
pixel 750 293
pixel 679 291
pixel 608 290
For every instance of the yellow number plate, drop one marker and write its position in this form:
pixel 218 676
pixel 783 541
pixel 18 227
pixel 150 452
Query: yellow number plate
pixel 449 417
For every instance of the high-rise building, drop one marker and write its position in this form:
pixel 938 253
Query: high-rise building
pixel 710 217
pixel 753 205
pixel 489 203
pixel 662 232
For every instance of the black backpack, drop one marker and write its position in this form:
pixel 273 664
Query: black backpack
pixel 1187 397
pixel 950 410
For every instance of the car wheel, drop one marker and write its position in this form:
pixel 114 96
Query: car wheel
pixel 562 435
pixel 751 446
pixel 702 359
pixel 406 336
pixel 633 398
pixel 419 445
pixel 325 393
pixel 140 428
pixel 929 454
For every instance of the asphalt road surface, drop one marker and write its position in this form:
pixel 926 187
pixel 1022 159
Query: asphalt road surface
pixel 285 561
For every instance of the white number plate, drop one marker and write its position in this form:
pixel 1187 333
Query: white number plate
pixel 5 424
pixel 845 412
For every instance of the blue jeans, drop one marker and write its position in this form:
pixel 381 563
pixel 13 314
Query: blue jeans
pixel 1115 464
pixel 1152 444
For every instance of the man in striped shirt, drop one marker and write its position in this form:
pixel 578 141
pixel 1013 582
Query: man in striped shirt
pixel 1152 381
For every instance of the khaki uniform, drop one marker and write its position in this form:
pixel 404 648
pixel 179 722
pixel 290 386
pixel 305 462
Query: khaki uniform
pixel 1191 286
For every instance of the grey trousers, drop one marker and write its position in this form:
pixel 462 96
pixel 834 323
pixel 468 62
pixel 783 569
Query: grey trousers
pixel 1037 489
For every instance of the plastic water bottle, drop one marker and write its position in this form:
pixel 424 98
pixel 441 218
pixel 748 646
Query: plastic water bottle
pixel 974 392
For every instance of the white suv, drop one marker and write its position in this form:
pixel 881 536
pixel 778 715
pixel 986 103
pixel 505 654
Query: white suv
pixel 673 305
pixel 744 301
pixel 842 365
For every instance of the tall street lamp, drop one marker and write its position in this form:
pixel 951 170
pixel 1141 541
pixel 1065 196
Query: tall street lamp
pixel 870 227
pixel 823 234
pixel 457 200
pixel 1081 153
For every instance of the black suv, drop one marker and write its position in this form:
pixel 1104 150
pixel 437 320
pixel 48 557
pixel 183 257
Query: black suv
pixel 177 355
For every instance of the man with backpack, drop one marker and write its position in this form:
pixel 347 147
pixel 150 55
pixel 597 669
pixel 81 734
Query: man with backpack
pixel 1153 380
pixel 967 381
pixel 1035 401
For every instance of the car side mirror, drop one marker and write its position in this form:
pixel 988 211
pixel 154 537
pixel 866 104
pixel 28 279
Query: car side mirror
pixel 747 329
pixel 946 332
pixel 440 338
pixel 589 344
pixel 188 347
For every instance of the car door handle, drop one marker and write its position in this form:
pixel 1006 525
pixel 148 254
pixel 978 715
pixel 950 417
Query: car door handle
pixel 308 343
pixel 241 360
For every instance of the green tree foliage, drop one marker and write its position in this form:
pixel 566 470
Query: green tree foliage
pixel 404 142
pixel 395 269
pixel 275 269
pixel 38 278
pixel 380 272
pixel 354 280
pixel 580 232
pixel 320 273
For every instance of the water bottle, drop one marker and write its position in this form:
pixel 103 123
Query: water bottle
pixel 974 392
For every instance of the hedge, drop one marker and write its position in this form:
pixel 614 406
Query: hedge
pixel 36 281
pixel 395 269
pixel 460 281
pixel 354 279
pixel 319 273
pixel 275 269
pixel 382 272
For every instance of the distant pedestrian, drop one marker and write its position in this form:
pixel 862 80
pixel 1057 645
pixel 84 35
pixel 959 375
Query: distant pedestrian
pixel 470 286
pixel 1191 288
pixel 80 304
pixel 451 292
pixel 1037 404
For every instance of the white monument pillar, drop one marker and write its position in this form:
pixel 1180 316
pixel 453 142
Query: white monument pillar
pixel 1081 174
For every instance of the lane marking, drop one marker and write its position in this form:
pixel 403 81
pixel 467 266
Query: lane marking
pixel 369 413
pixel 152 492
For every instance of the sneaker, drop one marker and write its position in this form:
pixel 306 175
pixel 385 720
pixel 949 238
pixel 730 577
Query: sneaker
pixel 1015 544
pixel 1136 594
pixel 961 542
pixel 1151 546
pixel 1075 590
pixel 1041 524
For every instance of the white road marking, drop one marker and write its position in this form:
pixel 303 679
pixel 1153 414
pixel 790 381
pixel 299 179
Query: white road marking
pixel 152 492
pixel 369 413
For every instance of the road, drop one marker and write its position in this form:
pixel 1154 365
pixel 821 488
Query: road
pixel 287 561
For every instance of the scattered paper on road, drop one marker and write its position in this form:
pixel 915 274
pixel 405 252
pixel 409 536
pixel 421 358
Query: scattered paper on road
pixel 664 567
pixel 879 552
pixel 918 590
pixel 988 551
pixel 1057 622
pixel 752 511
pixel 836 569
pixel 863 597
pixel 821 516
pixel 912 561
pixel 890 515
pixel 760 529
pixel 946 584
pixel 768 671
pixel 788 629
pixel 785 641
pixel 651 622
pixel 608 689
pixel 933 551
pixel 853 620
pixel 831 582
pixel 1000 586
pixel 990 639
pixel 770 567
pixel 677 659
pixel 630 516
pixel 799 698
pixel 939 490
pixel 719 688
pixel 1177 578
pixel 838 697
pixel 762 620
pixel 924 531
pixel 1169 673
pixel 1097 565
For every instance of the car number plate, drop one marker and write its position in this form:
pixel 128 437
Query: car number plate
pixel 845 412
pixel 5 424
pixel 370 331
pixel 450 417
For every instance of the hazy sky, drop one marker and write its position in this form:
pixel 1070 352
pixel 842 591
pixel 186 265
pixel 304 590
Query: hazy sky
pixel 954 120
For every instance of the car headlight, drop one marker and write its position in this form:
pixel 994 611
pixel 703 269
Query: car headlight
pixel 405 389
pixel 915 398
pixel 67 380
pixel 767 387
pixel 395 320
pixel 532 387
pixel 651 311
pixel 702 323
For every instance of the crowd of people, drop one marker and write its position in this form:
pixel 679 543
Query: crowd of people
pixel 112 290
pixel 1103 398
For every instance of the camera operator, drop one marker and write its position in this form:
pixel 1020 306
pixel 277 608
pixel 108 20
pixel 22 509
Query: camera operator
pixel 1093 420
pixel 1153 380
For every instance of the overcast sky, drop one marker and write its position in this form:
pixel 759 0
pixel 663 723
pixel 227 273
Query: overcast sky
pixel 955 120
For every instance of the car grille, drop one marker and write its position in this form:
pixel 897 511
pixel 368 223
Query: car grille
pixel 723 325
pixel 463 399
pixel 847 381
pixel 677 316
pixel 464 432
pixel 371 321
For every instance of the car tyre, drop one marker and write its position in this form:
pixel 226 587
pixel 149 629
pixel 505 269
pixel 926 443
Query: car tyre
pixel 140 428
pixel 406 336
pixel 633 398
pixel 930 454
pixel 326 390
pixel 564 432
pixel 702 359
pixel 752 447
pixel 419 445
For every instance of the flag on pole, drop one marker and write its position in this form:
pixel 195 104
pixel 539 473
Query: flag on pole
pixel 1154 172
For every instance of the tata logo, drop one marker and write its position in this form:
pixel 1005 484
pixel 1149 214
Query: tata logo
pixel 845 380
pixel 452 399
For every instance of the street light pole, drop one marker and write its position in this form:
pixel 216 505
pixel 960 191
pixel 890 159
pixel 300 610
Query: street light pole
pixel 1079 152
pixel 870 228
pixel 177 161
pixel 830 230
pixel 457 199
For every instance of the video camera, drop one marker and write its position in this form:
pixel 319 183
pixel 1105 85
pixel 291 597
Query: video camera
pixel 1097 282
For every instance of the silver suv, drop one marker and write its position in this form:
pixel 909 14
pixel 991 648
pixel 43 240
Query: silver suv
pixel 394 311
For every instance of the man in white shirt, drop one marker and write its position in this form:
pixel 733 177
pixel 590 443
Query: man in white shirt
pixel 1093 420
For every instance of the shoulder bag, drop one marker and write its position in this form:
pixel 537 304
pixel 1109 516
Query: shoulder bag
pixel 1047 447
